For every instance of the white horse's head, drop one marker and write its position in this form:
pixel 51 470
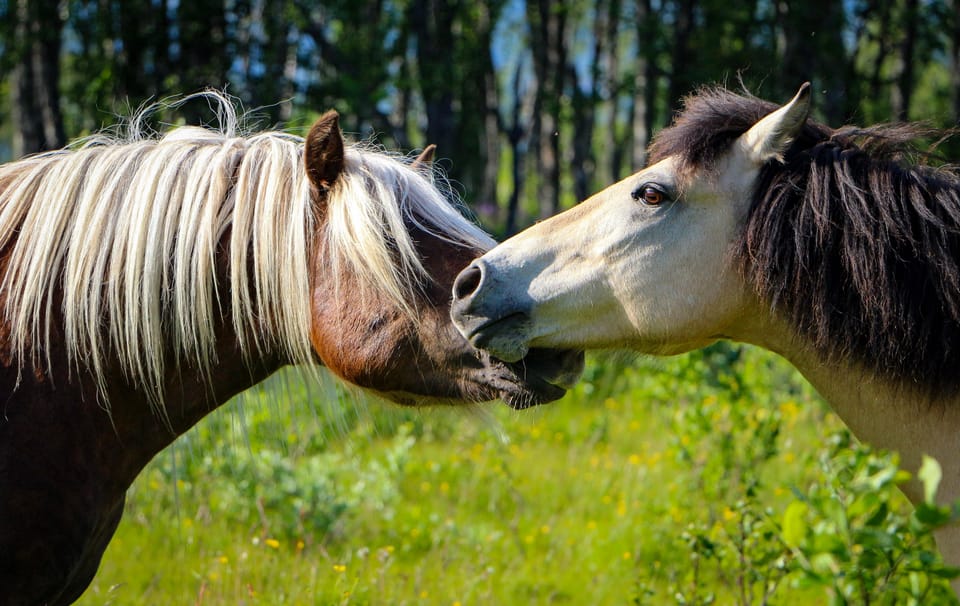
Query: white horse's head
pixel 644 265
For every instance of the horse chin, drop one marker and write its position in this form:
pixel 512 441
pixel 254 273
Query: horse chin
pixel 528 398
pixel 542 376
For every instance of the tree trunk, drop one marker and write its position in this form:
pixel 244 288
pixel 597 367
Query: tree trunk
pixel 131 77
pixel 35 81
pixel 432 24
pixel 813 49
pixel 903 91
pixel 202 62
pixel 614 85
pixel 644 87
pixel 955 62
pixel 881 11
pixel 585 106
pixel 680 54
pixel 515 135
pixel 548 23
pixel 490 133
pixel 274 86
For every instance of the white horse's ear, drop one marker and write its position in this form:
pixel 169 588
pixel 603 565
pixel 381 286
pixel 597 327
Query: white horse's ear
pixel 770 137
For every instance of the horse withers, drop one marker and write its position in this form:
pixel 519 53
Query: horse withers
pixel 145 281
pixel 837 248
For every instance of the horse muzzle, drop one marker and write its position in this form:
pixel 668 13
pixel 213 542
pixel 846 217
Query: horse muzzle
pixel 489 315
pixel 498 322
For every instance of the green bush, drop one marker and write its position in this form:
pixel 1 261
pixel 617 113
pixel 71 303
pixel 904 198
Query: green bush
pixel 278 497
pixel 846 533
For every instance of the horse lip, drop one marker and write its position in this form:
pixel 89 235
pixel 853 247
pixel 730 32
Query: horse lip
pixel 500 336
pixel 484 324
pixel 567 368
pixel 529 398
pixel 530 392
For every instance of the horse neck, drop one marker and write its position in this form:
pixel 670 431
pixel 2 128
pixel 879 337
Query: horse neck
pixel 68 463
pixel 189 392
pixel 877 411
pixel 139 432
pixel 893 417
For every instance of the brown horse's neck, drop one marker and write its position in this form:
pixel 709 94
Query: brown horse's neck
pixel 67 460
pixel 189 395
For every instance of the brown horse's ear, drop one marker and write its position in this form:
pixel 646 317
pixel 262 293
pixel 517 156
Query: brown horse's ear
pixel 425 159
pixel 323 151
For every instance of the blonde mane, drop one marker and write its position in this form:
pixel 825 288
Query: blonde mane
pixel 125 233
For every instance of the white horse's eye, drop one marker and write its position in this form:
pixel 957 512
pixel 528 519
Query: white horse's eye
pixel 649 194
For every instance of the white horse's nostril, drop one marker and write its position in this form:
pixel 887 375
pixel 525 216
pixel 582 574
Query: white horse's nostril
pixel 468 282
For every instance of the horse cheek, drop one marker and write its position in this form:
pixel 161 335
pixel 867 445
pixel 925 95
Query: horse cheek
pixel 356 352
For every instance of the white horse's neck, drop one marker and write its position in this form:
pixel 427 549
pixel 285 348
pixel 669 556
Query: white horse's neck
pixel 878 413
pixel 891 417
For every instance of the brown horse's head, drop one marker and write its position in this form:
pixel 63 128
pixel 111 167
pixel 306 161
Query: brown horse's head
pixel 388 249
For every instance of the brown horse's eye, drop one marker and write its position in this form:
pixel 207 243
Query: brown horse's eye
pixel 649 195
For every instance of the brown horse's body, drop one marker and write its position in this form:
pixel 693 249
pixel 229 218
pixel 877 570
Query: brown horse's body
pixel 72 439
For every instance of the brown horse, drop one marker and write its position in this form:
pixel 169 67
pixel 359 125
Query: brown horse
pixel 146 281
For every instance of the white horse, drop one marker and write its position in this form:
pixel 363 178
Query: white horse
pixel 755 224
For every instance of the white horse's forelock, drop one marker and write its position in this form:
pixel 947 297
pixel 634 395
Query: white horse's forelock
pixel 127 231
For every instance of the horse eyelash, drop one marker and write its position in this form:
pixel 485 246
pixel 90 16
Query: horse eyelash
pixel 637 194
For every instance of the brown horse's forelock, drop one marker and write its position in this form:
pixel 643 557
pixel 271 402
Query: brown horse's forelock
pixel 852 238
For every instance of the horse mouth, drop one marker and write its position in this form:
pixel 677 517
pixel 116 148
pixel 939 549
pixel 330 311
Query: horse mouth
pixel 501 337
pixel 542 376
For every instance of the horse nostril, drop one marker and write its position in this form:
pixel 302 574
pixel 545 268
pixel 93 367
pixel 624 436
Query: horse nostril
pixel 468 282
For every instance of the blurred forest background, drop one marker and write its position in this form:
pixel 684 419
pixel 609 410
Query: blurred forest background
pixel 533 105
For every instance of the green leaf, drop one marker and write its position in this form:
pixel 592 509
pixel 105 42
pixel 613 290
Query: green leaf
pixel 824 564
pixel 944 572
pixel 930 474
pixel 931 515
pixel 874 538
pixel 879 516
pixel 795 524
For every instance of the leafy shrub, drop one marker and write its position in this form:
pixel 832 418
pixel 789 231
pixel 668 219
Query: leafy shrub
pixel 848 533
pixel 851 534
pixel 277 497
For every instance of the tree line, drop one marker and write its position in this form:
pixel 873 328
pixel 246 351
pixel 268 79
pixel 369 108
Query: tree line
pixel 534 104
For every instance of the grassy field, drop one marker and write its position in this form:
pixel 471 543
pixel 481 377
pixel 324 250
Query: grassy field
pixel 717 477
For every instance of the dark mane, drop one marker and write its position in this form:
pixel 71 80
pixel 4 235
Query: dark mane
pixel 852 237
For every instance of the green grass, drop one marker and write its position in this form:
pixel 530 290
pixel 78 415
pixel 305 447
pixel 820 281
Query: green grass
pixel 653 482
